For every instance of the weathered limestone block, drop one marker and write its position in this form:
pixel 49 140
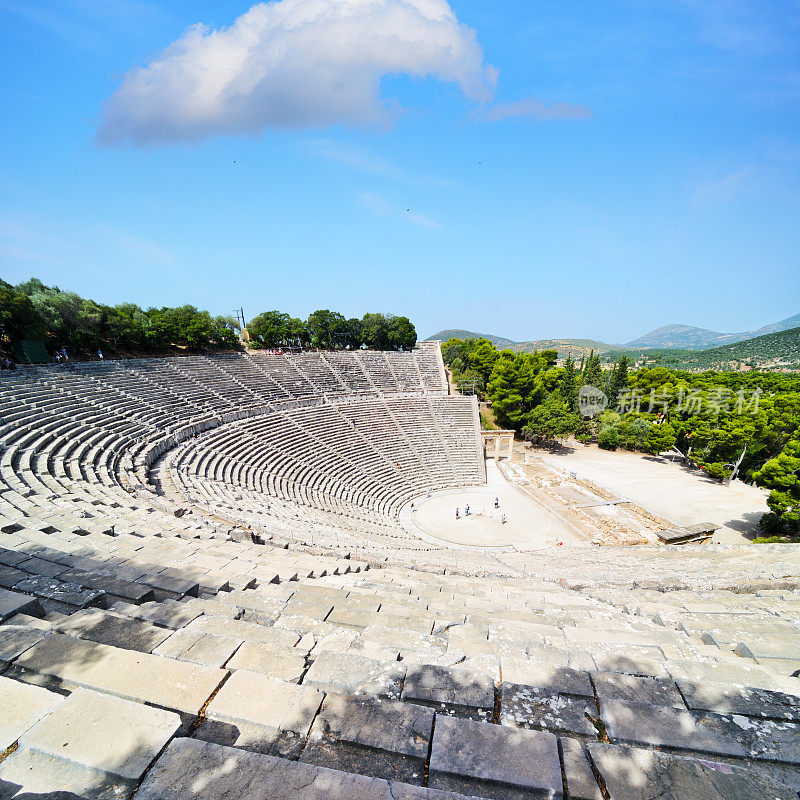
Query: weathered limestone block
pixel 350 673
pixel 452 691
pixel 105 627
pixel 91 744
pixel 205 771
pixel 380 738
pixel 493 761
pixel 539 709
pixel 22 706
pixel 633 774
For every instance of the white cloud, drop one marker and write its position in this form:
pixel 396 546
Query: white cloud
pixel 381 207
pixel 293 64
pixel 536 109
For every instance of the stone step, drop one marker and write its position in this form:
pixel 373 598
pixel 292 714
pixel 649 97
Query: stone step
pixel 145 678
pixel 106 627
pixel 633 774
pixel 23 706
pixel 12 603
pixel 214 771
pixel 91 744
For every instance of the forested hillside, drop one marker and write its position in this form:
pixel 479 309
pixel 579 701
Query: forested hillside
pixel 774 351
pixel 720 421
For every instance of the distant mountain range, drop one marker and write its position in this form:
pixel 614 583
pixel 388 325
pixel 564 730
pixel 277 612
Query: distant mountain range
pixel 667 337
pixel 687 337
pixel 577 347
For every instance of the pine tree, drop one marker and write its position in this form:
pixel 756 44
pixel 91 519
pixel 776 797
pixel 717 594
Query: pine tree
pixel 569 384
pixel 593 373
pixel 782 475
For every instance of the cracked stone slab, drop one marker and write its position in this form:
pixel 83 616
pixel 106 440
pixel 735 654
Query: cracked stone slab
pixel 71 594
pixel 16 639
pixel 22 707
pixel 168 613
pixel 380 738
pixel 142 677
pixel 540 709
pixel 493 761
pixel 128 590
pixel 285 663
pixel 581 782
pixel 637 689
pixel 634 774
pixel 206 771
pixel 12 603
pixel 455 691
pixel 546 676
pixel 198 647
pixel 105 627
pixel 247 631
pixel 750 702
pixel 350 673
pixel 173 586
pixel 267 702
pixel 657 726
pixel 255 738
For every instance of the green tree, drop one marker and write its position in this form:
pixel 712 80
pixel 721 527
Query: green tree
pixel 18 316
pixel 608 438
pixel 482 358
pixel 618 379
pixel 569 384
pixel 511 390
pixel 660 438
pixel 269 329
pixel 326 328
pixel 402 334
pixel 782 476
pixel 593 372
pixel 551 420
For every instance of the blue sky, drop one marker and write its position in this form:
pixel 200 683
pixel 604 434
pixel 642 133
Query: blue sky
pixel 570 168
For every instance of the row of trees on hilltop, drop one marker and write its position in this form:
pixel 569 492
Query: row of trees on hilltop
pixel 60 319
pixel 34 311
pixel 331 330
pixel 716 418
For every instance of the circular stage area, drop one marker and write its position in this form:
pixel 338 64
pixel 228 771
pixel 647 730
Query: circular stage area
pixel 528 525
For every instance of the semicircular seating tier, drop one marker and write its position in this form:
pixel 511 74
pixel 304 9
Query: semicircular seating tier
pixel 313 447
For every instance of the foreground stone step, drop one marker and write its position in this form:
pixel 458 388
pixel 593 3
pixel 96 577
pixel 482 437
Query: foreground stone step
pixel 479 758
pixel 205 771
pixel 162 682
pixel 733 736
pixel 633 774
pixel 21 707
pixel 12 603
pixel 349 673
pixel 379 738
pixel 16 639
pixel 167 614
pixel 92 745
pixel 750 702
pixel 262 714
pixel 71 595
pixel 106 627
pixel 115 588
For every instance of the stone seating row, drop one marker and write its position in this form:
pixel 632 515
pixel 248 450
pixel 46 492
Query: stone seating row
pixel 395 684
